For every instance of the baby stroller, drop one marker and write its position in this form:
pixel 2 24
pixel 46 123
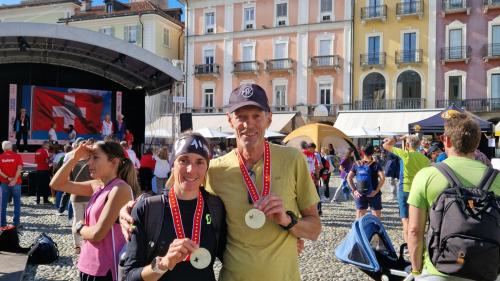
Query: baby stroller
pixel 369 247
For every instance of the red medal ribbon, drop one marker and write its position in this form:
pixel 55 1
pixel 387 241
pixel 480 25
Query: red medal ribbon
pixel 177 219
pixel 252 189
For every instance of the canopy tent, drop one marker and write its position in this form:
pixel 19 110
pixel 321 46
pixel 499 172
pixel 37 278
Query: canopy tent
pixel 497 130
pixel 362 132
pixel 210 133
pixel 435 123
pixel 321 135
pixel 268 134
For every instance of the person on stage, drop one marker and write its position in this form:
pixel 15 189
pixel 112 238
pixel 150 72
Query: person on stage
pixel 22 127
pixel 192 226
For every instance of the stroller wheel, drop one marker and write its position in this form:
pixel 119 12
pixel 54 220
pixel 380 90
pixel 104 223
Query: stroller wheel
pixel 384 278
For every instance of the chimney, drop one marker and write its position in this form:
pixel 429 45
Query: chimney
pixel 86 5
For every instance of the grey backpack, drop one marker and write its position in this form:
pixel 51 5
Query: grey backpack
pixel 463 238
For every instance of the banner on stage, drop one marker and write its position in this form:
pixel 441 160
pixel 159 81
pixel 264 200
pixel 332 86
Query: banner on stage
pixel 12 111
pixel 83 108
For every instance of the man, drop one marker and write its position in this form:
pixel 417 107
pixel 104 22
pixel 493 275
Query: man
pixel 313 166
pixel 461 138
pixel 42 160
pixel 433 153
pixel 130 153
pixel 411 161
pixel 106 126
pixel 268 252
pixel 120 127
pixel 10 179
pixel 53 134
pixel 22 127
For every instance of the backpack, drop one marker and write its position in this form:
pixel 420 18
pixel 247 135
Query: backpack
pixel 43 251
pixel 364 183
pixel 463 238
pixel 9 240
pixel 325 171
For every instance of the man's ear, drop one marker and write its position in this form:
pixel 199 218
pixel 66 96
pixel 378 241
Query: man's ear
pixel 269 119
pixel 229 119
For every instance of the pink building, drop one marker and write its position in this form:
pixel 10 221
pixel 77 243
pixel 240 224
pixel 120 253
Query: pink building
pixel 299 51
pixel 468 55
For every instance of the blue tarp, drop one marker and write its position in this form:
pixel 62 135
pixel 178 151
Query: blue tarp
pixel 435 124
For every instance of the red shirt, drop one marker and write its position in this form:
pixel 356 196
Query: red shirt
pixel 129 138
pixel 42 159
pixel 9 162
pixel 147 161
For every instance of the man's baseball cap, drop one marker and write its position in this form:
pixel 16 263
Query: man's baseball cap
pixel 248 94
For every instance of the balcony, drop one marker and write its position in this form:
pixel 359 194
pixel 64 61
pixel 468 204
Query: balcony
pixel 373 13
pixel 490 5
pixel 455 7
pixel 205 109
pixel 279 65
pixel 325 62
pixel 455 54
pixel 407 57
pixel 241 67
pixel 333 109
pixel 473 105
pixel 491 52
pixel 410 103
pixel 207 70
pixel 372 60
pixel 283 108
pixel 413 8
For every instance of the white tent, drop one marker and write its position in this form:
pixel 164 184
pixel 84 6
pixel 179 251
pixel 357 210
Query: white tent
pixel 362 132
pixel 210 133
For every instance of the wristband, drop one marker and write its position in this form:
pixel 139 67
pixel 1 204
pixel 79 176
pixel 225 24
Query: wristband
pixel 416 272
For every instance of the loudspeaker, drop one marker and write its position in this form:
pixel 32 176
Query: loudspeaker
pixel 186 121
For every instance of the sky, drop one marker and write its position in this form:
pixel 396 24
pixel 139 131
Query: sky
pixel 171 3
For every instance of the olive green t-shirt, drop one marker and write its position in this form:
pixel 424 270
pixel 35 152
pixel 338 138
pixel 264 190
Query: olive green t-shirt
pixel 268 253
pixel 429 183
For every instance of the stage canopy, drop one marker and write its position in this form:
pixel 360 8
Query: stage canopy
pixel 124 63
pixel 435 123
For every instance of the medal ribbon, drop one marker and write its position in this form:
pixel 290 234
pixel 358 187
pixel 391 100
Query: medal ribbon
pixel 252 189
pixel 177 219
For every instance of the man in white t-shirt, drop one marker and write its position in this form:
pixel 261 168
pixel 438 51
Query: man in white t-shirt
pixel 107 126
pixel 52 133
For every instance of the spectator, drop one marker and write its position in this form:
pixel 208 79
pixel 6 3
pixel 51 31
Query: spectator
pixel 129 138
pixel 120 127
pixel 411 161
pixel 461 138
pixel 147 165
pixel 326 172
pixel 367 190
pixel 162 169
pixel 391 169
pixel 130 153
pixel 313 165
pixel 22 128
pixel 71 134
pixel 345 166
pixel 106 126
pixel 10 179
pixel 331 149
pixel 53 133
pixel 65 199
pixel 433 153
pixel 42 160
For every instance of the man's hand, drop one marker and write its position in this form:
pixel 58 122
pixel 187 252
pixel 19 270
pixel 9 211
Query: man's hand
pixel 273 208
pixel 178 250
pixel 356 194
pixel 12 181
pixel 373 193
pixel 126 220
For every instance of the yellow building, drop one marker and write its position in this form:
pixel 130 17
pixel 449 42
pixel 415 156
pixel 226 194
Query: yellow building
pixel 42 11
pixel 391 55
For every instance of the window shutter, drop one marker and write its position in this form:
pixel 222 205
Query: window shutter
pixel 125 33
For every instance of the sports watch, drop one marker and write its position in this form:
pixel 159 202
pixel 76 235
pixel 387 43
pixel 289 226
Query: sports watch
pixel 293 222
pixel 154 266
pixel 79 227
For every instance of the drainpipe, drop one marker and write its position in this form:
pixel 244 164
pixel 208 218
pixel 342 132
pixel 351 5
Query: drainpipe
pixel 142 30
pixel 351 94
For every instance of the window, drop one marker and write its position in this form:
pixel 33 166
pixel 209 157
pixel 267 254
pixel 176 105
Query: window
pixel 209 60
pixel 455 87
pixel 495 40
pixel 374 9
pixel 130 34
pixel 374 87
pixel 410 6
pixel 495 87
pixel 280 53
pixel 280 95
pixel 247 57
pixel 409 47
pixel 455 44
pixel 208 97
pixel 106 30
pixel 210 22
pixel 324 50
pixel 326 10
pixel 409 85
pixel 166 37
pixel 281 14
pixel 249 14
pixel 374 50
pixel 325 93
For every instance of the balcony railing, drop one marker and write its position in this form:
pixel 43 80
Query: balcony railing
pixel 246 67
pixel 455 6
pixel 283 108
pixel 409 56
pixel 324 62
pixel 490 5
pixel 491 51
pixel 333 109
pixel 279 65
pixel 206 69
pixel 205 109
pixel 410 103
pixel 372 60
pixel 410 9
pixel 451 54
pixel 374 13
pixel 473 105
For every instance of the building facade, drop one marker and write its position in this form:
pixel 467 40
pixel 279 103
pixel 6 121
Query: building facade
pixel 49 11
pixel 297 50
pixel 392 55
pixel 468 55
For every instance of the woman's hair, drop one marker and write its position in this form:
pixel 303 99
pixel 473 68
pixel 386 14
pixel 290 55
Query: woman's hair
pixel 126 170
pixel 163 153
pixel 325 150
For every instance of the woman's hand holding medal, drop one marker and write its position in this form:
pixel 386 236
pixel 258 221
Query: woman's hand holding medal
pixel 178 251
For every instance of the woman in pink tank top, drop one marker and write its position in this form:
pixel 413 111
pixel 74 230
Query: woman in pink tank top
pixel 113 185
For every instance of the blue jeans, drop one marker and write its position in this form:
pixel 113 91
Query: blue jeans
pixel 59 195
pixel 15 191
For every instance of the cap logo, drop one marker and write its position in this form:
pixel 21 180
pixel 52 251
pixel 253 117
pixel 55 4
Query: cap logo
pixel 247 91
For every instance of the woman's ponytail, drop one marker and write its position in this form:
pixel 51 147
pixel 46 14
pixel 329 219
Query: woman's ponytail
pixel 126 171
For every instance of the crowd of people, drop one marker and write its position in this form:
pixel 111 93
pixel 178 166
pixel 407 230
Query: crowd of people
pixel 172 214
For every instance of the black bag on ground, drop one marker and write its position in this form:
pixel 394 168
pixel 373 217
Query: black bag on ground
pixel 463 238
pixel 9 240
pixel 43 251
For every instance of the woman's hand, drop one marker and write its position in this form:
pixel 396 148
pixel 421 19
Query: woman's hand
pixel 178 250
pixel 83 151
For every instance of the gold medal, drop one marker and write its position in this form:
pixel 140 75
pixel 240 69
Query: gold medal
pixel 200 258
pixel 255 218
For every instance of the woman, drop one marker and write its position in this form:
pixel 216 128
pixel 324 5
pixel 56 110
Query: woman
pixel 175 253
pixel 344 167
pixel 71 134
pixel 114 180
pixel 162 169
pixel 147 165
pixel 327 169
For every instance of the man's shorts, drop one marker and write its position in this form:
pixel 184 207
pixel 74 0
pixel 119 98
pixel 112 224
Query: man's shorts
pixel 403 204
pixel 374 202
